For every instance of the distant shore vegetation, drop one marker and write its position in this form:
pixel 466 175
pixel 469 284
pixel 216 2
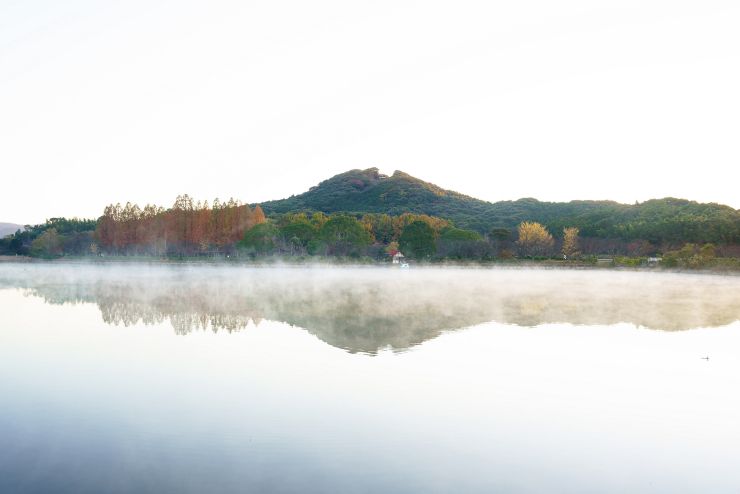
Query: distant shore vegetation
pixel 190 229
pixel 363 214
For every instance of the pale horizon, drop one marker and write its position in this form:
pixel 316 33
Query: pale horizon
pixel 141 102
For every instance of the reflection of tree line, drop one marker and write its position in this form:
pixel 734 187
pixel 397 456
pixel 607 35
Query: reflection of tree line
pixel 366 310
pixel 131 304
pixel 352 321
pixel 129 314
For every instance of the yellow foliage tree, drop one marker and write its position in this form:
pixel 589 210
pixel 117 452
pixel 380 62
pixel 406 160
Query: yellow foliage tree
pixel 48 244
pixel 534 239
pixel 570 242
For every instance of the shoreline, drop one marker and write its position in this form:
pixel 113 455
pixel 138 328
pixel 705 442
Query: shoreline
pixel 548 264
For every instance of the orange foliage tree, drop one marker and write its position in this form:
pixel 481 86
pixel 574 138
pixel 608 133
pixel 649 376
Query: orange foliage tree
pixel 188 227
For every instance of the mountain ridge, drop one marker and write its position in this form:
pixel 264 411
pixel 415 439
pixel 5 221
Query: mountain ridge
pixel 368 191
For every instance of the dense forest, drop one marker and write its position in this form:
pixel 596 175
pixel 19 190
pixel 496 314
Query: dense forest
pixel 362 213
pixel 371 235
pixel 186 228
pixel 658 221
pixel 55 237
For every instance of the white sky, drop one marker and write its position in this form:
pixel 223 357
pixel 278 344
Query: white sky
pixel 111 101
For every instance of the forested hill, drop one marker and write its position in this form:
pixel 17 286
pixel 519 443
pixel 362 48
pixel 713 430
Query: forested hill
pixel 657 220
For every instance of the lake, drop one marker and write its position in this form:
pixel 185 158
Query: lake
pixel 195 378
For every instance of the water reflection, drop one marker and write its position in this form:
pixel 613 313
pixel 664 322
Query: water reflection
pixel 366 309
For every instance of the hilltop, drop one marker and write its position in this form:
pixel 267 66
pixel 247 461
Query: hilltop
pixel 372 192
pixel 656 220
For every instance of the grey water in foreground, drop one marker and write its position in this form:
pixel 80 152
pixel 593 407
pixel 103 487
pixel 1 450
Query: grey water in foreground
pixel 140 378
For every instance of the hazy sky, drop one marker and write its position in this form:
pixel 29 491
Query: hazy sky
pixel 112 101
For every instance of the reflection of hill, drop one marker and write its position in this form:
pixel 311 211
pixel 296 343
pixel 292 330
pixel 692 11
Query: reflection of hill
pixel 363 310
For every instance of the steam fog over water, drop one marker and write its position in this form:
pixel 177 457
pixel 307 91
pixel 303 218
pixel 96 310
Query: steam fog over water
pixel 367 309
pixel 156 378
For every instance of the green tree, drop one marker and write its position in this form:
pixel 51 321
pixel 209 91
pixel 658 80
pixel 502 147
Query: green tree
pixel 462 244
pixel 690 256
pixel 460 235
pixel 417 240
pixel 259 239
pixel 344 235
pixel 500 234
pixel 298 234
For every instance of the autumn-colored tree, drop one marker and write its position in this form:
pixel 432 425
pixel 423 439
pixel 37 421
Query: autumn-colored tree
pixel 186 228
pixel 105 232
pixel 288 218
pixel 690 256
pixel 401 222
pixel 707 252
pixel 382 227
pixel 570 242
pixel 534 239
pixel 318 219
pixel 130 216
pixel 48 244
pixel 258 216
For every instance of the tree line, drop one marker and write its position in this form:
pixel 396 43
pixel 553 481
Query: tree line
pixel 338 234
pixel 190 228
pixel 416 236
pixel 54 237
pixel 187 228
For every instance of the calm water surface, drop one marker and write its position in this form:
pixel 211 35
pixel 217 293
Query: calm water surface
pixel 160 379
